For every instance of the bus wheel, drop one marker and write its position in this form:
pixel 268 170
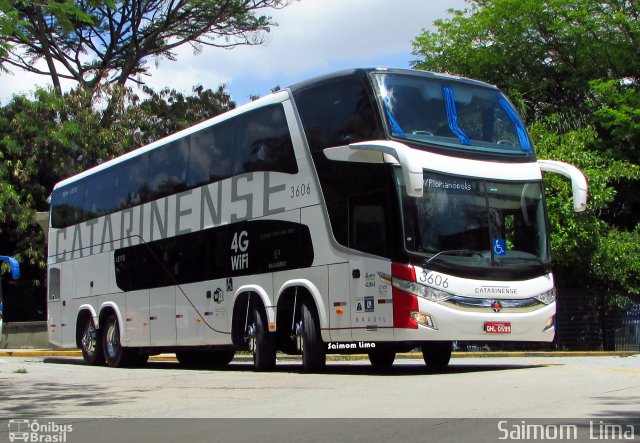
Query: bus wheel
pixel 114 353
pixel 436 354
pixel 313 350
pixel 261 342
pixel 92 344
pixel 382 358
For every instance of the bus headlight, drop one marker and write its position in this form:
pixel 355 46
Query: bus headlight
pixel 547 297
pixel 426 292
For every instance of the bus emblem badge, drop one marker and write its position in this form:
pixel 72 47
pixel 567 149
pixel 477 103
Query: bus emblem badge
pixel 218 296
pixel 496 306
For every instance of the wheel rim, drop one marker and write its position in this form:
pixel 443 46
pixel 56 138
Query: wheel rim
pixel 89 340
pixel 113 341
pixel 251 334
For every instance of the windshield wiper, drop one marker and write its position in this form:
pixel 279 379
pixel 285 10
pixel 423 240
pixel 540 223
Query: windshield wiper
pixel 463 252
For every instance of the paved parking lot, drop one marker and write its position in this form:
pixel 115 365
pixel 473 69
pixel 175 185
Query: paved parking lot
pixel 61 387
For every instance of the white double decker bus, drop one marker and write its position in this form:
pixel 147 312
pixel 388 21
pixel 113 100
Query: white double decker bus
pixel 371 210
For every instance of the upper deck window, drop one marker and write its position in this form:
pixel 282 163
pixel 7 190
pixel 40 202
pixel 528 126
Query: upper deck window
pixel 445 112
pixel 337 113
pixel 258 140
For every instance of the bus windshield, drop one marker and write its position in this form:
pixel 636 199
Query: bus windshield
pixel 469 222
pixel 450 113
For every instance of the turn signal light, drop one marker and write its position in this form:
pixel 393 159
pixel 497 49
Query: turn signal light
pixel 423 319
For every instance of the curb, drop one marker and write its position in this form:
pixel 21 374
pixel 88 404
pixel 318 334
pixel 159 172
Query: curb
pixel 343 357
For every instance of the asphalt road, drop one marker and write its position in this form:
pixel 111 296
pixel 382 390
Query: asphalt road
pixel 349 402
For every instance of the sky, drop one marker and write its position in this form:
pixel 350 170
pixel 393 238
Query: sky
pixel 313 37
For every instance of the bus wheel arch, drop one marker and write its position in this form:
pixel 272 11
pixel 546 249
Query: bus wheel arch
pixel 250 330
pixel 299 326
pixel 111 325
pixel 307 289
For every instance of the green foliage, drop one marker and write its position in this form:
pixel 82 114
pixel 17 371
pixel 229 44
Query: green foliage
pixel 52 137
pixel 172 110
pixel 616 111
pixel 545 51
pixel 584 246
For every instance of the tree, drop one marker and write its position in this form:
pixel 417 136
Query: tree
pixel 543 51
pixel 39 148
pixel 168 111
pixel 98 42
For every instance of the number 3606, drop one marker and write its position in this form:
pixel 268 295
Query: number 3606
pixel 434 279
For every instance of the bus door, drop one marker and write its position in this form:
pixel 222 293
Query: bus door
pixel 54 308
pixel 372 313
pixel 340 302
pixel 372 308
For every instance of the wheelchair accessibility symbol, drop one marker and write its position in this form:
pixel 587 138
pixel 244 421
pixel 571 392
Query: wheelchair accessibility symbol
pixel 499 247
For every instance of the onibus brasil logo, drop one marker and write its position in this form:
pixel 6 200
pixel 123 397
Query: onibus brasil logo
pixel 34 431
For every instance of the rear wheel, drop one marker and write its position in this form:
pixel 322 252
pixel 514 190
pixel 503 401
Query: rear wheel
pixel 91 343
pixel 437 354
pixel 261 341
pixel 382 358
pixel 314 354
pixel 114 354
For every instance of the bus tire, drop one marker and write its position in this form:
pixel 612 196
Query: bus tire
pixel 114 353
pixel 437 354
pixel 91 344
pixel 314 354
pixel 382 358
pixel 263 342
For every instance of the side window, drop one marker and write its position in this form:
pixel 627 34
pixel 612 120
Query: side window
pixel 131 183
pixel 264 142
pixel 358 201
pixel 337 113
pixel 168 169
pixel 98 199
pixel 212 154
pixel 368 224
pixel 66 204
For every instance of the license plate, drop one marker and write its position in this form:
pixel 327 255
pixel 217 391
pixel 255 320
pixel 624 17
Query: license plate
pixel 497 327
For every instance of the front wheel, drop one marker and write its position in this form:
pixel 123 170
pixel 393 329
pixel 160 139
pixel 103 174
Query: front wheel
pixel 92 344
pixel 314 354
pixel 437 354
pixel 382 358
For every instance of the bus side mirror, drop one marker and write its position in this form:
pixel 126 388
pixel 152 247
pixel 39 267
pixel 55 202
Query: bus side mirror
pixel 13 264
pixel 578 181
pixel 392 152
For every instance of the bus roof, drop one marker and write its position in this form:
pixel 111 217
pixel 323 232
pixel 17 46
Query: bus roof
pixel 363 72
